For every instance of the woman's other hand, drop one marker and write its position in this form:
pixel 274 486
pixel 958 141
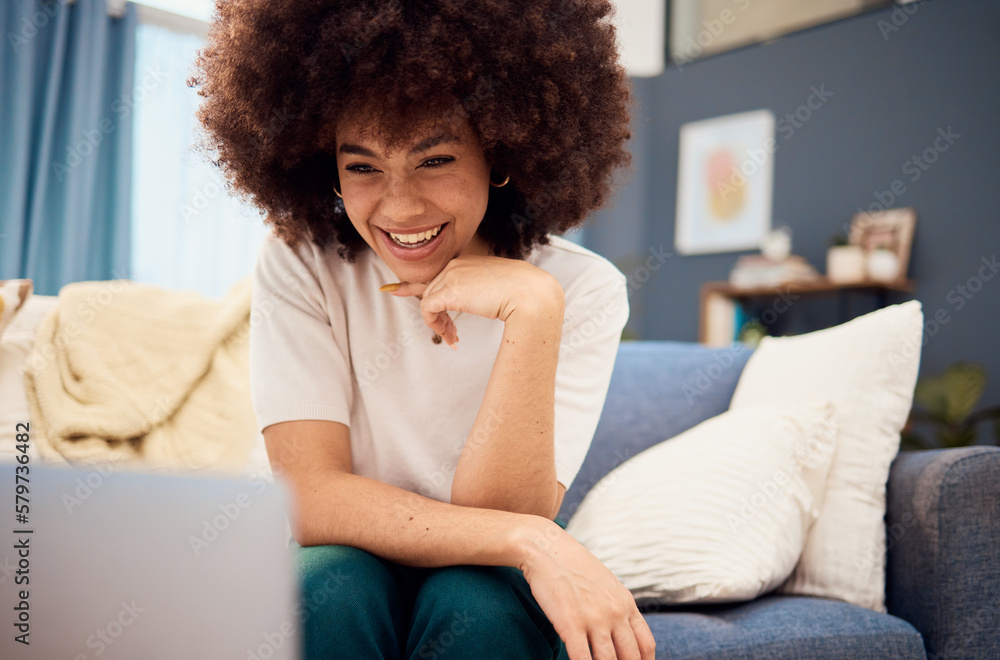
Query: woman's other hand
pixel 510 290
pixel 594 614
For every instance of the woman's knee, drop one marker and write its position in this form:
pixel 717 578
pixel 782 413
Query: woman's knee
pixel 480 587
pixel 473 609
pixel 340 575
pixel 349 604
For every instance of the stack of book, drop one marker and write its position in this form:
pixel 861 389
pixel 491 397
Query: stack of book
pixel 756 270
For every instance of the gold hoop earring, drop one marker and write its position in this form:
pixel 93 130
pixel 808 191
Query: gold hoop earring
pixel 337 192
pixel 500 185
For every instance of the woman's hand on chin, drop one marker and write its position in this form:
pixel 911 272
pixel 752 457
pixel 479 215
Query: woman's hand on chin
pixel 510 290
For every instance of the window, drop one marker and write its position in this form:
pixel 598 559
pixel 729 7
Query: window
pixel 188 232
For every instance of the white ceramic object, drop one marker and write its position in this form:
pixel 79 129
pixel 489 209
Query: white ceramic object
pixel 777 244
pixel 883 265
pixel 845 264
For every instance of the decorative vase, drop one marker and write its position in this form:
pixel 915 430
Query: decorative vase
pixel 845 264
pixel 883 265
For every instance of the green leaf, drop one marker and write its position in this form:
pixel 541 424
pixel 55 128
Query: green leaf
pixel 952 396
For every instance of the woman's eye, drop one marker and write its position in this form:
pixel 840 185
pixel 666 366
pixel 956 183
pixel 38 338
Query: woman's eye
pixel 361 168
pixel 437 161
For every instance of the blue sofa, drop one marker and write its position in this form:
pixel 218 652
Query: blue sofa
pixel 942 525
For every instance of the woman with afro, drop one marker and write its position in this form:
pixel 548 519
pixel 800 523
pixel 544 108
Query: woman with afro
pixel 415 161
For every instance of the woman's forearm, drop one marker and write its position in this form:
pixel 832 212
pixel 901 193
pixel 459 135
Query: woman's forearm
pixel 508 461
pixel 339 508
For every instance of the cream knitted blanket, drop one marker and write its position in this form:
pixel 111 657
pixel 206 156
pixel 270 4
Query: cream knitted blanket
pixel 129 372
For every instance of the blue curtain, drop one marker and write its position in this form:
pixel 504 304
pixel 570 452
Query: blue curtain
pixel 66 98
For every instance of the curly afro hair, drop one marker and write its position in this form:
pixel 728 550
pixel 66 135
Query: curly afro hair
pixel 538 81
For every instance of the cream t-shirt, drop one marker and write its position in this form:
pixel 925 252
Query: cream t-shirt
pixel 326 344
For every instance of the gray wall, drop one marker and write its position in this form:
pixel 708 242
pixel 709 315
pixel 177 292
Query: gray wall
pixel 892 91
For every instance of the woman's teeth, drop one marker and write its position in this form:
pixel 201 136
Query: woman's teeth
pixel 415 240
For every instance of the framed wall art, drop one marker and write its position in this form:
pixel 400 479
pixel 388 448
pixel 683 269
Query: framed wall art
pixel 724 183
pixel 891 229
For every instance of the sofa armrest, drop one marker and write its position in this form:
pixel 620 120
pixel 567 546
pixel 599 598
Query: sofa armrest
pixel 943 540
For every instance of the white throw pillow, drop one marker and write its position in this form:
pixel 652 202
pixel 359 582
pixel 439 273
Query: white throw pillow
pixel 718 513
pixel 867 368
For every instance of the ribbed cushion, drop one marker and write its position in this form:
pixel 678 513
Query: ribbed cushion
pixel 716 514
pixel 867 369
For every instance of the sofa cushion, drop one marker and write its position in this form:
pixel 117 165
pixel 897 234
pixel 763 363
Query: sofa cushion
pixel 716 514
pixel 776 627
pixel 867 368
pixel 659 389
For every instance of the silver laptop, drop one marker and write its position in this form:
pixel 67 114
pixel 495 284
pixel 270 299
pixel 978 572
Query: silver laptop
pixel 104 563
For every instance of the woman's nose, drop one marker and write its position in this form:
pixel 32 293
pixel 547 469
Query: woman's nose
pixel 401 200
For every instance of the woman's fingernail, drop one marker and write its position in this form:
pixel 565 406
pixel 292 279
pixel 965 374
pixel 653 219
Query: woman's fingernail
pixel 390 287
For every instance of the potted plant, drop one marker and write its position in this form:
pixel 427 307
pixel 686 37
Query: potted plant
pixel 945 406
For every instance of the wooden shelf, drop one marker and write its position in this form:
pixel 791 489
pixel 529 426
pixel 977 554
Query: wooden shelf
pixel 821 285
pixel 719 300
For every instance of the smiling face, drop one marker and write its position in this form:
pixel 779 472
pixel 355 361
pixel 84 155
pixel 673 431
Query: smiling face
pixel 417 207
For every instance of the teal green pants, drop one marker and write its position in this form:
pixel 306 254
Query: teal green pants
pixel 358 606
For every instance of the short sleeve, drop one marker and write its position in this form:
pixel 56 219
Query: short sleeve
pixel 592 329
pixel 299 358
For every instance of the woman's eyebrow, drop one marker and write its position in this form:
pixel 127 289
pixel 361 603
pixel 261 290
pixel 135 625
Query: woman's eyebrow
pixel 423 145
